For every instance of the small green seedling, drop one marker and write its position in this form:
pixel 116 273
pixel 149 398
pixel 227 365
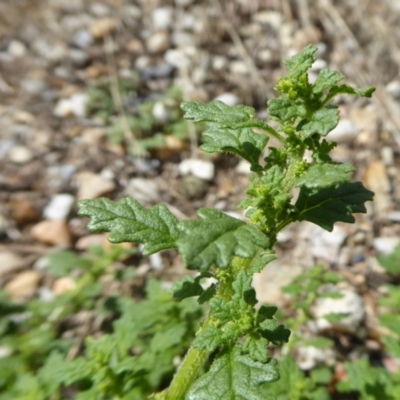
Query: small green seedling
pixel 235 336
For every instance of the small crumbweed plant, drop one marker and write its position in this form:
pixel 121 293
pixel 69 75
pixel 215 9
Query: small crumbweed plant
pixel 233 340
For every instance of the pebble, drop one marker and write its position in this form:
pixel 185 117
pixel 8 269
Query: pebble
pixel 271 18
pixel 99 9
pixel 102 27
pixel 385 245
pixel 160 112
pixel 82 39
pixel 10 262
pixel 238 68
pixel 157 71
pixel 63 285
pixel 177 58
pixel 163 18
pixel 156 262
pixel 326 245
pixel 230 99
pixel 23 209
pixel 158 42
pixel 89 241
pixel 53 52
pixel 199 168
pixel 377 180
pixel 78 57
pixel 351 303
pixel 20 155
pixel 143 190
pixel 74 105
pixel 243 168
pixel 33 85
pixel 59 206
pixel 345 132
pixel 387 155
pixel 52 232
pixel 219 63
pixel 366 119
pixel 393 216
pixel 16 48
pixel 393 88
pixel 308 357
pixel 23 286
pixel 182 39
pixel 319 64
pixel 91 185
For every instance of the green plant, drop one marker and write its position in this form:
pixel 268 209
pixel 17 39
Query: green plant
pixel 30 332
pixel 235 335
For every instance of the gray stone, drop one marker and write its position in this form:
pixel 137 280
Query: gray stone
pixel 82 39
pixel 143 190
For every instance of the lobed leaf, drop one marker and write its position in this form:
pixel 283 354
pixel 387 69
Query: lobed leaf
pixel 216 238
pixel 209 339
pixel 187 287
pixel 243 142
pixel 326 206
pixel 128 221
pixel 325 175
pixel 217 111
pixel 326 79
pixel 256 348
pixel 321 122
pixel 234 376
pixel 347 89
pixel 300 63
pixel 285 109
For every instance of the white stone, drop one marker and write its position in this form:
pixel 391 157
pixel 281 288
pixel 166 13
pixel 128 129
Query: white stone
pixel 156 262
pixel 308 357
pixel 163 17
pixel 386 245
pixel 239 68
pixel 393 216
pixel 59 206
pixel 230 99
pixel 16 48
pixel 318 65
pixel 20 155
pixel 387 155
pixel 351 303
pixel 243 167
pixel 219 63
pixel 326 245
pixel 143 190
pixel 345 132
pixel 272 18
pixel 394 89
pixel 52 52
pixel 74 105
pixel 200 168
pixel 160 112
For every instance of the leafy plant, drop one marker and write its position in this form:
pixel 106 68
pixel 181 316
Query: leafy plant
pixel 30 333
pixel 235 336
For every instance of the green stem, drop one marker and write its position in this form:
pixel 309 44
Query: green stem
pixel 186 374
pixel 254 123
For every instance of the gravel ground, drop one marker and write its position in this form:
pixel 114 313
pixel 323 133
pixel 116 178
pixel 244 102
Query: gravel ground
pixel 73 73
